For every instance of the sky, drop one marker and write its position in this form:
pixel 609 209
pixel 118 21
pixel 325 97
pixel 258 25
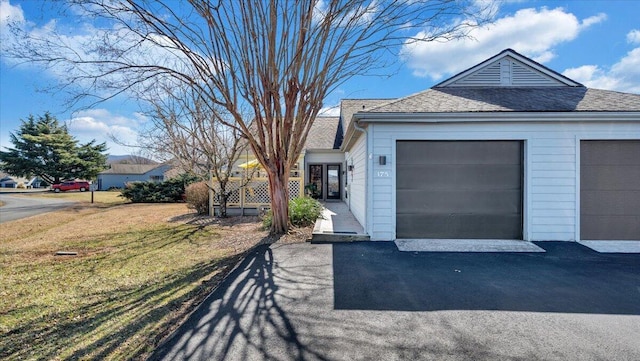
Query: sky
pixel 596 43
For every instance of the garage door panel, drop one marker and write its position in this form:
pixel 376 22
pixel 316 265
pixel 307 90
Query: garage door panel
pixel 618 203
pixel 611 227
pixel 464 226
pixel 608 152
pixel 610 190
pixel 459 189
pixel 458 152
pixel 600 177
pixel 444 177
pixel 476 202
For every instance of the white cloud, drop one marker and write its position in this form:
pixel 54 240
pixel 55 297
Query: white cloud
pixel 80 50
pixel 532 32
pixel 10 13
pixel 633 36
pixel 593 20
pixel 622 76
pixel 101 125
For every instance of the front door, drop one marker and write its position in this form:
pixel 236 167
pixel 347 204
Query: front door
pixel 325 181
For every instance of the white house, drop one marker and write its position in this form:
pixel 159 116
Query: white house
pixel 507 149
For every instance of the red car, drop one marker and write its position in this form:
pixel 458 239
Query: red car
pixel 68 186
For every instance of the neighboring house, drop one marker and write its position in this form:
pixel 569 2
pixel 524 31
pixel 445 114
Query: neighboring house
pixel 9 181
pixel 120 174
pixel 507 149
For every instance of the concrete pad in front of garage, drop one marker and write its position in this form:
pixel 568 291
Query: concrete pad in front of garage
pixel 613 246
pixel 466 245
pixel 369 301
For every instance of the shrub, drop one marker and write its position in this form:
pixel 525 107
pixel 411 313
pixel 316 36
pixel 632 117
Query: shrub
pixel 267 219
pixel 21 186
pixel 197 197
pixel 303 211
pixel 168 191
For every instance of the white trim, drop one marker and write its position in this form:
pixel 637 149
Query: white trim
pixel 368 190
pixel 468 117
pixel 522 59
pixel 578 166
pixel 526 192
pixel 394 183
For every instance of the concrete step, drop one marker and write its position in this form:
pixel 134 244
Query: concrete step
pixel 338 237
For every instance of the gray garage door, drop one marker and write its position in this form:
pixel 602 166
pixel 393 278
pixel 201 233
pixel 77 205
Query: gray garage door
pixel 610 190
pixel 459 189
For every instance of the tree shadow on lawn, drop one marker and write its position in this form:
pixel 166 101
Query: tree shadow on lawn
pixel 44 337
pixel 568 278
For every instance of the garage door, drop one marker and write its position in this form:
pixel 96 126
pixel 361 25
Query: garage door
pixel 610 190
pixel 459 189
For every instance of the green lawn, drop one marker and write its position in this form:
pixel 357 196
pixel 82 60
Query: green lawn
pixel 137 273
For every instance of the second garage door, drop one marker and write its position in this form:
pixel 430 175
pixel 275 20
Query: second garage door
pixel 610 190
pixel 459 189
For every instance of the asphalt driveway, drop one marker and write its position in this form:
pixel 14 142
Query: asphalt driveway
pixel 24 206
pixel 368 301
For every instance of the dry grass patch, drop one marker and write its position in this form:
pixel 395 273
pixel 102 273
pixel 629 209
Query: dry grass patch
pixel 101 197
pixel 140 268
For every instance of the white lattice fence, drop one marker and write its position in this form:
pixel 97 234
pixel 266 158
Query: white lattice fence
pixel 255 193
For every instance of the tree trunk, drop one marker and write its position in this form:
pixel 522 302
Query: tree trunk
pixel 279 191
pixel 224 198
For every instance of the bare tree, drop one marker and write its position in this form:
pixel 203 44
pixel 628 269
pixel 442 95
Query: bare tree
pixel 270 63
pixel 183 128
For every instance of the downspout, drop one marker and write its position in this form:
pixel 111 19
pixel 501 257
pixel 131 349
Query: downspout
pixel 357 127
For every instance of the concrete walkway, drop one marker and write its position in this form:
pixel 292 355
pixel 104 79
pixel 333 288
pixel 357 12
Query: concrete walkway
pixel 338 224
pixel 613 246
pixel 465 245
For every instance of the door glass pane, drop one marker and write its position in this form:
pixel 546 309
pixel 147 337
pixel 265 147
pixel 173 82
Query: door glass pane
pixel 315 181
pixel 333 181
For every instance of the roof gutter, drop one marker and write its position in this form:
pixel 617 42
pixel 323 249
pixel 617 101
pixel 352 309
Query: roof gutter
pixel 350 134
pixel 468 117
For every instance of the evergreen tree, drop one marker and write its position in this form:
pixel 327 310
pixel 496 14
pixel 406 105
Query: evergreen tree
pixel 43 147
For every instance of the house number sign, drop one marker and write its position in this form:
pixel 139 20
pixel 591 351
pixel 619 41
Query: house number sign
pixel 383 174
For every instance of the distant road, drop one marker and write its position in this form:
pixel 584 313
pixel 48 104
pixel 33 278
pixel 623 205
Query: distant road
pixel 21 207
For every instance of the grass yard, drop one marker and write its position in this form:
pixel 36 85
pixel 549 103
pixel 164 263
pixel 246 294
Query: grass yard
pixel 140 269
pixel 102 197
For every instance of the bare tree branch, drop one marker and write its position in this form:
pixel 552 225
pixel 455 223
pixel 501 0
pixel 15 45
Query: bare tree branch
pixel 269 64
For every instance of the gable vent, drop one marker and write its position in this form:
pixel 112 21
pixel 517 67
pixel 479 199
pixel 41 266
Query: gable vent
pixel 521 75
pixel 506 72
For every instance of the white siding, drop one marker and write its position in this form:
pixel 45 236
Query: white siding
pixel 356 187
pixel 323 157
pixel 551 184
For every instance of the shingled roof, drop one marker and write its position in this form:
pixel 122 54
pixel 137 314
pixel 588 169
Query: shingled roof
pixel 348 107
pixel 326 133
pixel 130 168
pixel 512 99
